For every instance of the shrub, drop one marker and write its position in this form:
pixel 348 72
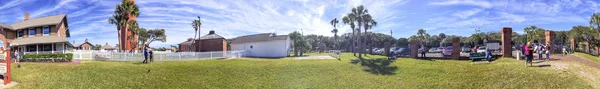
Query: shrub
pixel 47 57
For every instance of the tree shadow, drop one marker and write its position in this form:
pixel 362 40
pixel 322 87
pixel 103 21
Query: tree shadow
pixel 380 66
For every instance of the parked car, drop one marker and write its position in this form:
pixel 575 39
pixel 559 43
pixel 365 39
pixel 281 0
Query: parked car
pixel 399 51
pixel 481 49
pixel 447 51
pixel 433 50
pixel 465 49
pixel 379 51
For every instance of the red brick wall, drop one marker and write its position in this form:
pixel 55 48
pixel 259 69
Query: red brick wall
pixel 86 47
pixel 212 45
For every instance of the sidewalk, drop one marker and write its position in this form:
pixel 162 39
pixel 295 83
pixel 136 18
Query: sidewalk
pixel 574 58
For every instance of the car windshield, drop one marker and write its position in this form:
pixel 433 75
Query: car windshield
pixel 448 48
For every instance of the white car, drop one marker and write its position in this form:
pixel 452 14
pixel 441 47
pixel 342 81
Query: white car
pixel 481 49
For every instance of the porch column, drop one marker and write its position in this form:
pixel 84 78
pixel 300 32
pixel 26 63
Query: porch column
pixel 37 49
pixel 52 47
pixel 64 47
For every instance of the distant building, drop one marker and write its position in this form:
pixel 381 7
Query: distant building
pixel 35 35
pixel 263 45
pixel 84 46
pixel 108 47
pixel 209 42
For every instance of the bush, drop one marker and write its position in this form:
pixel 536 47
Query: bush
pixel 47 57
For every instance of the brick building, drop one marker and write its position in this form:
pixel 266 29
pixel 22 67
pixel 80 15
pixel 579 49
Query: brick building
pixel 83 46
pixel 209 42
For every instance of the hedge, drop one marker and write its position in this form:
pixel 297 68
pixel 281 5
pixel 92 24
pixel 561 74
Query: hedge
pixel 47 57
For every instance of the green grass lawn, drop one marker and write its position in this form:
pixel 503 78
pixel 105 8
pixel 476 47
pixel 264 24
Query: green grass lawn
pixel 374 72
pixel 588 57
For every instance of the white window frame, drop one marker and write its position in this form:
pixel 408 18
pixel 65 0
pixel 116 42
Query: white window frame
pixel 49 31
pixel 29 31
pixel 19 32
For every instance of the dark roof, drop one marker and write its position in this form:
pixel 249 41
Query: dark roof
pixel 259 38
pixel 186 42
pixel 79 45
pixel 211 36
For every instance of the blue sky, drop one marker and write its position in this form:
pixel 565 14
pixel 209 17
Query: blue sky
pixel 232 18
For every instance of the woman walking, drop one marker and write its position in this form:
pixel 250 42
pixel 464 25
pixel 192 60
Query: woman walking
pixel 528 54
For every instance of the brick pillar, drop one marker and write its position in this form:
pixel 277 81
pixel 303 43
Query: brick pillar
pixel 414 48
pixel 506 41
pixel 572 41
pixel 587 47
pixel 550 35
pixel 456 48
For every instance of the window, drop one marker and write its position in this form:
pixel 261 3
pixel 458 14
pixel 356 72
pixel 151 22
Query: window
pixel 31 32
pixel 46 31
pixel 20 34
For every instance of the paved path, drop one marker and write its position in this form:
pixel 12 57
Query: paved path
pixel 575 58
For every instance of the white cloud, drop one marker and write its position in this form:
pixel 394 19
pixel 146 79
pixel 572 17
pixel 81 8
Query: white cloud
pixel 479 3
pixel 467 13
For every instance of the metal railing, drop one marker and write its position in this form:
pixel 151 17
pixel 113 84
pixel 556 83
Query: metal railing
pixel 157 56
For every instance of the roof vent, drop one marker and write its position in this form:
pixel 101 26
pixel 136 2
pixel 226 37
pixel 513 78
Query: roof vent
pixel 211 32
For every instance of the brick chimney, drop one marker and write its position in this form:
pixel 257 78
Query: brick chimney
pixel 86 40
pixel 26 16
pixel 211 32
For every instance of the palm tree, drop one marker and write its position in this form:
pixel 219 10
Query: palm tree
pixel 349 19
pixel 196 24
pixel 118 21
pixel 121 17
pixel 368 23
pixel 334 22
pixel 133 28
pixel 595 21
pixel 360 13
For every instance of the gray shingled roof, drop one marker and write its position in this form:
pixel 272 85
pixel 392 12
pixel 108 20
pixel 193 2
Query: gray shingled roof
pixel 43 21
pixel 258 38
pixel 211 36
pixel 37 40
pixel 186 42
pixel 106 46
pixel 5 26
pixel 78 45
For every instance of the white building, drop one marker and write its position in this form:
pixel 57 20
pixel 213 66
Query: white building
pixel 263 45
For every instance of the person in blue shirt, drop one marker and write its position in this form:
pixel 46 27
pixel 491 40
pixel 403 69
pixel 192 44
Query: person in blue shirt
pixel 145 56
pixel 488 55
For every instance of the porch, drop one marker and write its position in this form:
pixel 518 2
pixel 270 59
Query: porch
pixel 46 48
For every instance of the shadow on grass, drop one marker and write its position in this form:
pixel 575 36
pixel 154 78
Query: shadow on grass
pixel 542 65
pixel 377 65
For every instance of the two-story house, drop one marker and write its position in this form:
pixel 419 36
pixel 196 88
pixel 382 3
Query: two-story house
pixel 37 35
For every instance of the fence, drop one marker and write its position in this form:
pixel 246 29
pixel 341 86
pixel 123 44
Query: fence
pixel 157 56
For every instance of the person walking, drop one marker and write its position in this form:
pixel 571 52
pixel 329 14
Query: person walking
pixel 528 54
pixel 539 50
pixel 145 56
pixel 422 51
pixel 547 51
pixel 151 54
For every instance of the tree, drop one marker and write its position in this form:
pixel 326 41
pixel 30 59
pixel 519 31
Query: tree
pixel 368 23
pixel 360 13
pixel 143 36
pixel 534 33
pixel 133 28
pixel 402 42
pixel 298 42
pixel 97 47
pixel 196 25
pixel 351 20
pixel 121 17
pixel 119 21
pixel 595 21
pixel 334 22
pixel 149 36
